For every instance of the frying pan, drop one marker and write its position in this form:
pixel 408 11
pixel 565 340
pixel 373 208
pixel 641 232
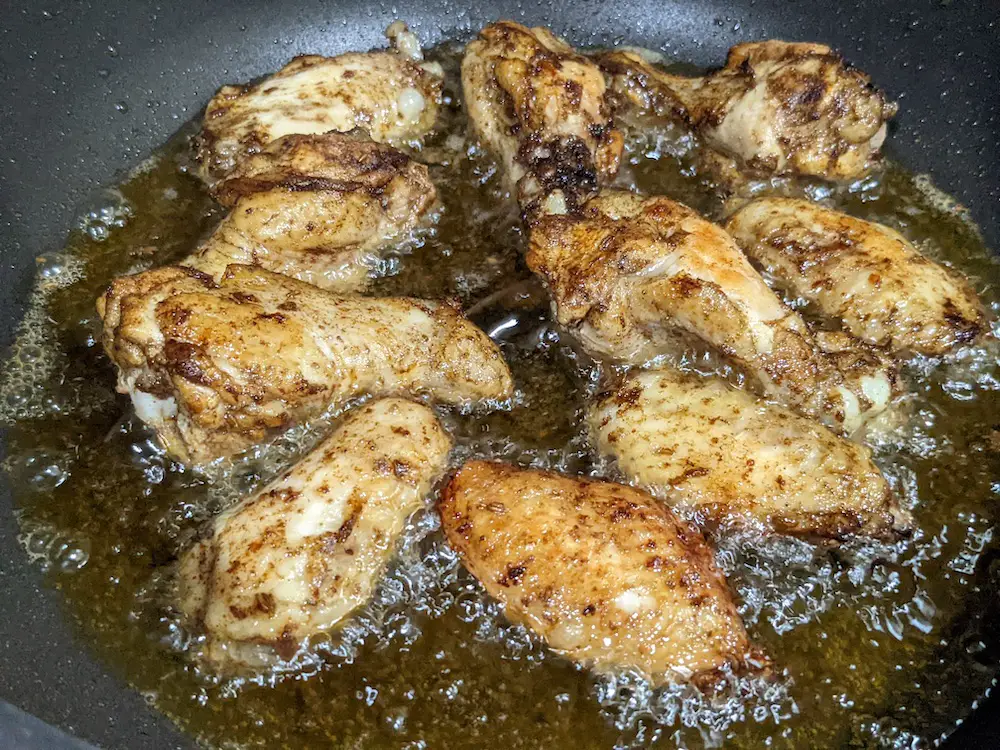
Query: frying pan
pixel 91 88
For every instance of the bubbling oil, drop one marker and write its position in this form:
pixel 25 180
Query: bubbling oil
pixel 875 644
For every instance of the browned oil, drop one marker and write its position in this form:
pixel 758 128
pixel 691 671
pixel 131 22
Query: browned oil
pixel 876 645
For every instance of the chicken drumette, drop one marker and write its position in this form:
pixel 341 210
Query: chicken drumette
pixel 863 274
pixel 215 367
pixel 634 277
pixel 775 108
pixel 318 208
pixel 607 575
pixel 540 107
pixel 392 94
pixel 698 443
pixel 303 553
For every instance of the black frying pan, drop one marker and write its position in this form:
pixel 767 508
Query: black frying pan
pixel 91 88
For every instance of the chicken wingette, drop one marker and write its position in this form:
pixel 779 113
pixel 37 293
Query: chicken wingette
pixel 698 443
pixel 299 556
pixel 606 574
pixel 318 208
pixel 632 277
pixel 394 95
pixel 775 108
pixel 539 106
pixel 214 368
pixel 866 275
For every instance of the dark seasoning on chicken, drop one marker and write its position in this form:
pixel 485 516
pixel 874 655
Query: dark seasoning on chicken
pixel 385 389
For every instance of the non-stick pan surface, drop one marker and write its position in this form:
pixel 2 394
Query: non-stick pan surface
pixel 91 88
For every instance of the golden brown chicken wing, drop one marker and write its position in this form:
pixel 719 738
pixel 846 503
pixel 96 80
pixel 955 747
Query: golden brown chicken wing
pixel 317 208
pixel 215 367
pixel 632 276
pixel 299 556
pixel 392 94
pixel 866 275
pixel 699 443
pixel 539 105
pixel 607 575
pixel 775 108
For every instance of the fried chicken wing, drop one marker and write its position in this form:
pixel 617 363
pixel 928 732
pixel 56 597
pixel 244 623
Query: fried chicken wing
pixel 866 275
pixel 632 276
pixel 775 108
pixel 215 367
pixel 298 557
pixel 539 106
pixel 318 208
pixel 393 94
pixel 699 443
pixel 608 576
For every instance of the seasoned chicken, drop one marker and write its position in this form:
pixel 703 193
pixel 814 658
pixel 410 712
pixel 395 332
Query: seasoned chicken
pixel 775 108
pixel 698 443
pixel 539 106
pixel 607 575
pixel 318 208
pixel 633 277
pixel 866 275
pixel 393 94
pixel 302 554
pixel 215 367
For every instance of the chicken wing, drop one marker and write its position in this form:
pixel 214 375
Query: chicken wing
pixel 604 573
pixel 775 108
pixel 633 276
pixel 393 94
pixel 539 106
pixel 698 443
pixel 307 550
pixel 215 367
pixel 864 274
pixel 318 208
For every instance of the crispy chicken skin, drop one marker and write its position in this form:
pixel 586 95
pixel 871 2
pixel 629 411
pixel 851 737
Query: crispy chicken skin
pixel 540 107
pixel 392 94
pixel 215 367
pixel 696 442
pixel 866 275
pixel 318 208
pixel 607 575
pixel 775 108
pixel 307 550
pixel 632 277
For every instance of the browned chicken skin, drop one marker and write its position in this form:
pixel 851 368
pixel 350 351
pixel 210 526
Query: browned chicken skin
pixel 317 208
pixel 863 274
pixel 540 106
pixel 216 367
pixel 393 94
pixel 775 108
pixel 632 277
pixel 608 576
pixel 299 556
pixel 698 443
